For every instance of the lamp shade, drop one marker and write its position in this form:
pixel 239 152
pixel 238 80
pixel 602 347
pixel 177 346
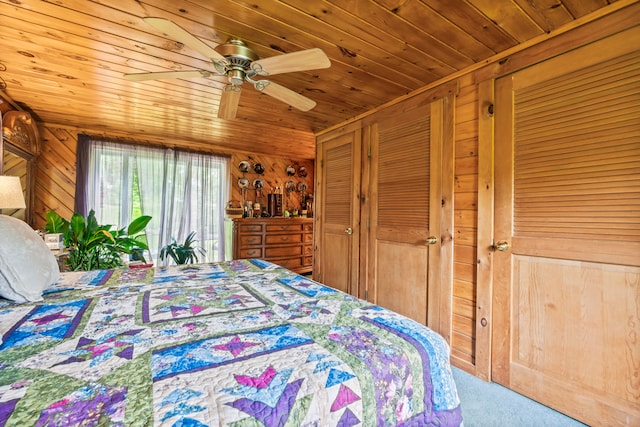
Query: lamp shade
pixel 11 195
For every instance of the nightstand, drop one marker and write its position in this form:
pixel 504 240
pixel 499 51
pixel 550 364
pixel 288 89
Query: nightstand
pixel 61 257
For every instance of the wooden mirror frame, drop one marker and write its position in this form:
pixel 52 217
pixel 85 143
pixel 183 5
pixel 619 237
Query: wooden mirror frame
pixel 20 137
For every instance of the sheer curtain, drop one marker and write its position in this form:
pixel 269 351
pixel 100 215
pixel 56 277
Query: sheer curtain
pixel 181 191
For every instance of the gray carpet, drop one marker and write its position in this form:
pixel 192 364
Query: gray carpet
pixel 492 405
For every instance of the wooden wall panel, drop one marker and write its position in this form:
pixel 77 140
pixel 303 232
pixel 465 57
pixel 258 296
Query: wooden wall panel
pixel 274 175
pixel 465 209
pixel 56 171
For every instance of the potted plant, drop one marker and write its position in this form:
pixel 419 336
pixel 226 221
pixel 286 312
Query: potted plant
pixel 97 247
pixel 182 253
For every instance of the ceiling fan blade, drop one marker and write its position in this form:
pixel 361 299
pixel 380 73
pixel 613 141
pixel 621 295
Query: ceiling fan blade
pixel 181 35
pixel 229 102
pixel 310 59
pixel 167 75
pixel 285 95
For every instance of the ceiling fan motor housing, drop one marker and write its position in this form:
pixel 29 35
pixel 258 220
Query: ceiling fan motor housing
pixel 239 57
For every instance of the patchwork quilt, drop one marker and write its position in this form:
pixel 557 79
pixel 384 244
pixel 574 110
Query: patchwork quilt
pixel 240 343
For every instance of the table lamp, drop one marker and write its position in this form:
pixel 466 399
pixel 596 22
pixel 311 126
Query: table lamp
pixel 11 195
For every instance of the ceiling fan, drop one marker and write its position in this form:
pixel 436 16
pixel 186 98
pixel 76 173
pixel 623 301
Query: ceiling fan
pixel 239 63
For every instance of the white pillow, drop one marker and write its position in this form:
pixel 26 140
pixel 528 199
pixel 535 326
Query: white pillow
pixel 27 266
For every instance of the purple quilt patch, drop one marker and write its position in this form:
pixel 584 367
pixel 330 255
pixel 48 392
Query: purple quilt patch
pixel 271 416
pixel 169 304
pixel 6 408
pixel 121 345
pixel 390 369
pixel 92 405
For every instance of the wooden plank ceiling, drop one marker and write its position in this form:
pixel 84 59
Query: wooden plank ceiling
pixel 64 60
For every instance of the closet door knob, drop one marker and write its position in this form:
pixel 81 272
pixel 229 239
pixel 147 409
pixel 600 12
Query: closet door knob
pixel 432 240
pixel 502 245
pixel 348 231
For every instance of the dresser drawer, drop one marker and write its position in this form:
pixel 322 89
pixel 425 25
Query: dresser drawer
pixel 251 228
pixel 250 240
pixel 290 263
pixel 283 251
pixel 250 253
pixel 278 239
pixel 284 241
pixel 275 228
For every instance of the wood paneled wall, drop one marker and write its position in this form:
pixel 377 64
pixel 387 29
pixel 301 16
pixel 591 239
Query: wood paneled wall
pixel 275 175
pixel 56 172
pixel 465 204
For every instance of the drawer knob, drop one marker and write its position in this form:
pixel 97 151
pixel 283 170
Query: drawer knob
pixel 348 231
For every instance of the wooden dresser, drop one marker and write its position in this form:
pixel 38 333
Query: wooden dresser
pixel 285 241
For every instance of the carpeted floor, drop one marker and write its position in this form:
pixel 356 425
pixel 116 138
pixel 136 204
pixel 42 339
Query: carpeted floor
pixel 492 405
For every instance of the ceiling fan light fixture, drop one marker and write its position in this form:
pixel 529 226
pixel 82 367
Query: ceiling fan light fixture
pixel 235 77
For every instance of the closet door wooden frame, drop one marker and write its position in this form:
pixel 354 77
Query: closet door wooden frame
pixel 566 279
pixel 354 261
pixel 337 215
pixel 409 260
pixel 400 251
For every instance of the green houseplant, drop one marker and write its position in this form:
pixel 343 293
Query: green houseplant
pixel 182 253
pixel 97 247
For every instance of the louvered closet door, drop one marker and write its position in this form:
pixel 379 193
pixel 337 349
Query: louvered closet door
pixel 566 327
pixel 403 183
pixel 337 222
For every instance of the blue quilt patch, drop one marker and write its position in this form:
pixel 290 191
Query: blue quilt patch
pixel 307 287
pixel 206 354
pixel 46 323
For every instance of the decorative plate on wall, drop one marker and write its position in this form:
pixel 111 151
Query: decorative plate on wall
pixel 258 168
pixel 243 183
pixel 244 166
pixel 291 171
pixel 302 172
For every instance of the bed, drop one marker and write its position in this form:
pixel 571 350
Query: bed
pixel 238 343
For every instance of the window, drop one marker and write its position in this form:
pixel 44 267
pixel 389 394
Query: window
pixel 181 191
